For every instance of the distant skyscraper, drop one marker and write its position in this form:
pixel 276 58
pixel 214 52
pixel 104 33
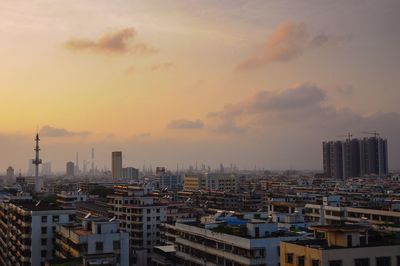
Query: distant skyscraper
pixel 46 169
pixel 116 164
pixel 10 174
pixel 355 157
pixel 130 173
pixel 70 169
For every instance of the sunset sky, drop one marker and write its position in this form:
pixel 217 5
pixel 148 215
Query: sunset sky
pixel 246 82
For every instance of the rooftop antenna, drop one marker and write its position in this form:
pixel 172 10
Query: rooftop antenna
pixel 37 203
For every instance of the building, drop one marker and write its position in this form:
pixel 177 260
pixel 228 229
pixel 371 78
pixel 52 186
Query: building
pixel 334 215
pixel 10 175
pixel 70 169
pixel 222 182
pixel 46 169
pixel 130 173
pixel 226 241
pixel 355 157
pixel 96 241
pixel 340 245
pixel 69 199
pixel 27 231
pixel 169 181
pixel 192 182
pixel 116 164
pixel 139 215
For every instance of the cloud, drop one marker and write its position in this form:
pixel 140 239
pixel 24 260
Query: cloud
pixel 49 131
pixel 162 66
pixel 288 41
pixel 185 124
pixel 301 108
pixel 119 42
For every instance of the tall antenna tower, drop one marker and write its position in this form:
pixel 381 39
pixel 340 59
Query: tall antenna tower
pixel 37 161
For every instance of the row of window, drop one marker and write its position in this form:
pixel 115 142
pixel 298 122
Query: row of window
pixel 380 261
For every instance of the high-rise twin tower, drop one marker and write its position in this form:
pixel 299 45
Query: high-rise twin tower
pixel 355 157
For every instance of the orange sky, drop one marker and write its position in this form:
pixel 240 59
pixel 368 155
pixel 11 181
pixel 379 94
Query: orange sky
pixel 151 72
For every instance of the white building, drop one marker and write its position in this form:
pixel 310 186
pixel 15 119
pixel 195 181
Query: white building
pixel 97 241
pixel 27 231
pixel 139 215
pixel 69 199
pixel 253 242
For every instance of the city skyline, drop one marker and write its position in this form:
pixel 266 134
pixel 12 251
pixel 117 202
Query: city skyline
pixel 249 83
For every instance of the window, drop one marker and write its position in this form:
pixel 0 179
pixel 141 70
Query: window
pixel 301 260
pixel 335 263
pixel 361 262
pixel 116 245
pixel 148 219
pixel 289 257
pixel 383 261
pixel 99 229
pixel 349 241
pixel 148 211
pixel 44 219
pixel 44 230
pixel 315 263
pixel 44 241
pixel 56 218
pixel 99 246
pixel 43 253
pixel 398 260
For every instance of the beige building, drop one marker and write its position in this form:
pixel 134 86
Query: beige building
pixel 341 245
pixel 192 182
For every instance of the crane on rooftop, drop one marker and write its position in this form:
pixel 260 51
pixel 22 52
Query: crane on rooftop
pixel 348 136
pixel 376 134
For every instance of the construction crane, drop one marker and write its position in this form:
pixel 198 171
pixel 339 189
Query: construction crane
pixel 376 134
pixel 348 136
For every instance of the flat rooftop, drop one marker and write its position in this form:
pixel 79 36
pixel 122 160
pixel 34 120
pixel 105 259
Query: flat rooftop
pixel 34 206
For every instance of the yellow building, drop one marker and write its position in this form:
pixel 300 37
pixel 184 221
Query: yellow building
pixel 192 183
pixel 341 245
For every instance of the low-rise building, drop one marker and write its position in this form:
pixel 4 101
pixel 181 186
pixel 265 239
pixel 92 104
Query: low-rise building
pixel 96 241
pixel 341 245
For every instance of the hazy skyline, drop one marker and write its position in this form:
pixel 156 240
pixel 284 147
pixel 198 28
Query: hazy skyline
pixel 245 82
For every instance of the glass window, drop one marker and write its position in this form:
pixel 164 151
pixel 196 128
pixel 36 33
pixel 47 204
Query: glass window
pixel 383 261
pixel 44 219
pixel 99 246
pixel 301 260
pixel 56 218
pixel 289 257
pixel 361 262
pixel 335 263
pixel 315 262
pixel 44 230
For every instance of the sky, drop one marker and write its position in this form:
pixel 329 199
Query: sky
pixel 252 83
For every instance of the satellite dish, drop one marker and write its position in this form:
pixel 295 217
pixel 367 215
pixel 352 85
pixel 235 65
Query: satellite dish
pixel 112 219
pixel 88 215
pixel 37 204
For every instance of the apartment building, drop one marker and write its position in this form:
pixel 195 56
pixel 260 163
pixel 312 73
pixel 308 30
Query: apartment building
pixel 27 231
pixel 96 241
pixel 139 215
pixel 326 215
pixel 342 245
pixel 226 241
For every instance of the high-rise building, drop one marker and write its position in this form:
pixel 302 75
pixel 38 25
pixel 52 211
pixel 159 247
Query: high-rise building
pixel 10 174
pixel 46 169
pixel 116 164
pixel 355 157
pixel 141 216
pixel 70 169
pixel 130 173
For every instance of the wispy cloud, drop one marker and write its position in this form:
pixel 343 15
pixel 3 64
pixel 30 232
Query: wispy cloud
pixel 119 42
pixel 49 131
pixel 288 41
pixel 185 124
